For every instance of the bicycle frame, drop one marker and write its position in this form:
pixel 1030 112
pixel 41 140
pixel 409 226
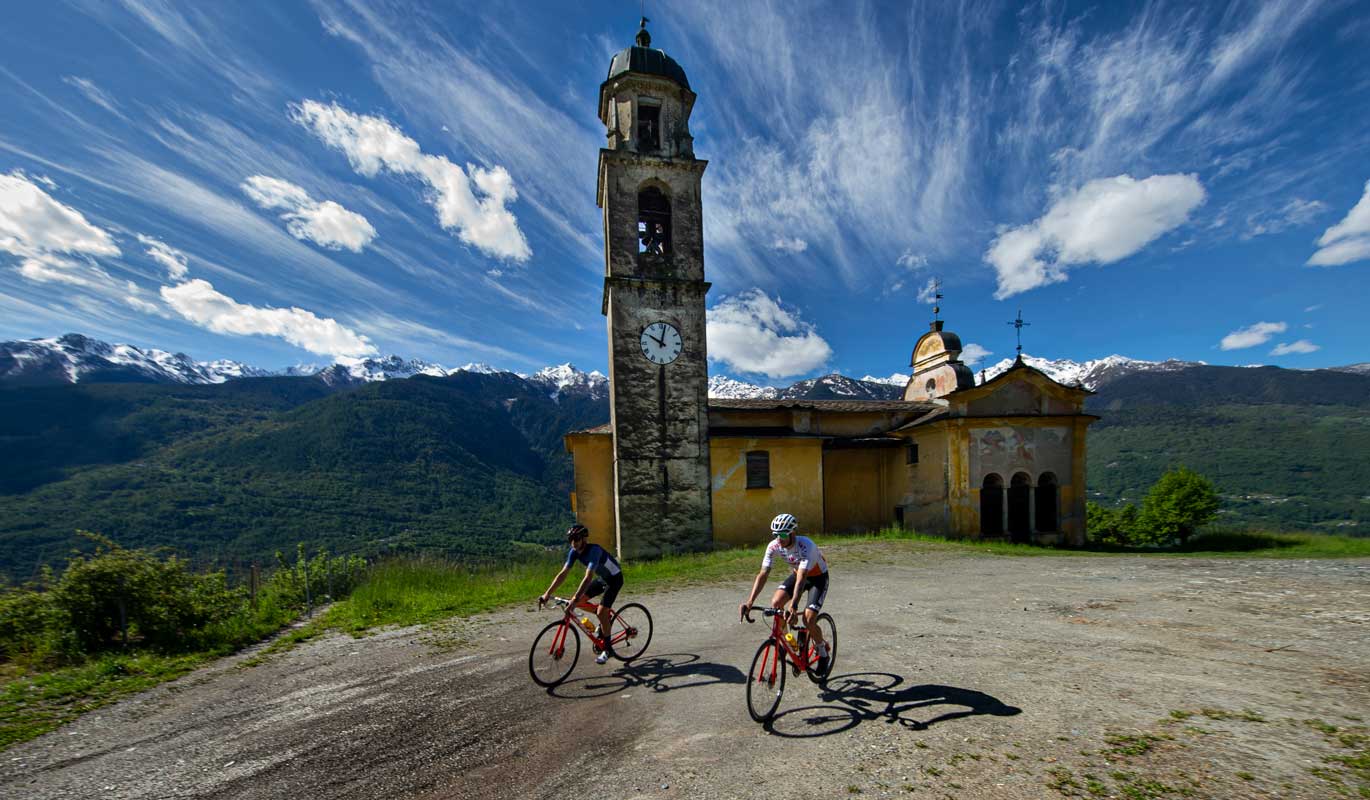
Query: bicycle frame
pixel 569 619
pixel 801 660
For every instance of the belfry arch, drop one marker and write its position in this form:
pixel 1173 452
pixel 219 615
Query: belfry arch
pixel 653 221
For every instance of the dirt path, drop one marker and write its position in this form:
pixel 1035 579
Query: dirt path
pixel 957 676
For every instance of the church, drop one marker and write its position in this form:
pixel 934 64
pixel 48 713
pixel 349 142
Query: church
pixel 675 471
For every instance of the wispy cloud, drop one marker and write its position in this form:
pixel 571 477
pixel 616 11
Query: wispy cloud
pixel 1300 347
pixel 974 354
pixel 1348 240
pixel 199 302
pixel 756 334
pixel 173 260
pixel 373 144
pixel 1252 335
pixel 1104 221
pixel 94 94
pixel 325 223
pixel 1295 213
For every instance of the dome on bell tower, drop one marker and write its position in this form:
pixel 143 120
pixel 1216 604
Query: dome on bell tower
pixel 643 59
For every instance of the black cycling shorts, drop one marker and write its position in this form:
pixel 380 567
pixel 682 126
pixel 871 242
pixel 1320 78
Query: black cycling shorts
pixel 609 588
pixel 816 586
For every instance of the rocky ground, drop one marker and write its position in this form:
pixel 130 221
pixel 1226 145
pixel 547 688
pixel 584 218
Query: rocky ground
pixel 958 675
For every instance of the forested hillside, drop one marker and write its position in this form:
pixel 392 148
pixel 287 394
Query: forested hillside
pixel 1286 448
pixel 463 465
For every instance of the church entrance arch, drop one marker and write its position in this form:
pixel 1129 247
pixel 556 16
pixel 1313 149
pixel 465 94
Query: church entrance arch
pixel 992 506
pixel 1020 508
pixel 1047 514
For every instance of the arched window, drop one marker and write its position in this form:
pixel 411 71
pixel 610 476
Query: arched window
pixel 1019 508
pixel 653 221
pixel 931 386
pixel 1047 521
pixel 648 126
pixel 992 506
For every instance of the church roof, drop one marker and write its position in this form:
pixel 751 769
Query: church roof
pixel 757 404
pixel 647 61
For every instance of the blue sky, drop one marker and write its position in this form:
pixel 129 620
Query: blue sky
pixel 299 182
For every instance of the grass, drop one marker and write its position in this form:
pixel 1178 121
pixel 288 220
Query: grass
pixel 32 705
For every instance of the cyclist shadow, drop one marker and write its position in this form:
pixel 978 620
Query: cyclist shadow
pixel 870 696
pixel 663 673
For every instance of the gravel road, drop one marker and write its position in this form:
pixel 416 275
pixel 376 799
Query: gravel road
pixel 958 675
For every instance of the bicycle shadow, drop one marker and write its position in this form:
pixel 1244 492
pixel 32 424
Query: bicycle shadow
pixel 869 696
pixel 663 673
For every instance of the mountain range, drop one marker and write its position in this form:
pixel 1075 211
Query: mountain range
pixel 228 462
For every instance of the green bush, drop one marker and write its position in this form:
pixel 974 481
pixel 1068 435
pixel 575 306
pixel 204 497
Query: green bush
pixel 1178 505
pixel 1111 526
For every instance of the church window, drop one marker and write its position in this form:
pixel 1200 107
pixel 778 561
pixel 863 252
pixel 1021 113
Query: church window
pixel 648 126
pixel 653 222
pixel 912 454
pixel 931 386
pixel 758 469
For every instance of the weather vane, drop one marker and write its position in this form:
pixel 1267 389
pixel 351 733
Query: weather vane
pixel 1018 325
pixel 936 298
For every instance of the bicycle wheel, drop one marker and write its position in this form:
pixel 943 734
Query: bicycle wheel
pixel 829 630
pixel 630 632
pixel 554 653
pixel 766 681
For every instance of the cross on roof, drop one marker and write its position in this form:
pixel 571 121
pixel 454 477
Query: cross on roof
pixel 1018 326
pixel 936 298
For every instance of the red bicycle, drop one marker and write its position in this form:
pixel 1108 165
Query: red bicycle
pixel 557 647
pixel 766 680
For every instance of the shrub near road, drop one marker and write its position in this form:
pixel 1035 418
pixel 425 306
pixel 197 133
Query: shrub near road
pixel 119 621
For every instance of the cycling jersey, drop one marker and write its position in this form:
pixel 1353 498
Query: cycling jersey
pixel 601 560
pixel 803 555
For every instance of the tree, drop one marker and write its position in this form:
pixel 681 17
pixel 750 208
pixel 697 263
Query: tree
pixel 1178 504
pixel 1114 526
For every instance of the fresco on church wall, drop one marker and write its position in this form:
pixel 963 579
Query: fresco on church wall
pixel 1005 450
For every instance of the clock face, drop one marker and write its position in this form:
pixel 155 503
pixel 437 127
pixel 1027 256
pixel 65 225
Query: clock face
pixel 660 342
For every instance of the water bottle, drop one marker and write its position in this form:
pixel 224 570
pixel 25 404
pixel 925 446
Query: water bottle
pixel 789 639
pixel 587 624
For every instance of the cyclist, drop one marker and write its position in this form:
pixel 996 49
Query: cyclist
pixel 810 573
pixel 602 574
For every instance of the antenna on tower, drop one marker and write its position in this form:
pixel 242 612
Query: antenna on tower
pixel 1018 325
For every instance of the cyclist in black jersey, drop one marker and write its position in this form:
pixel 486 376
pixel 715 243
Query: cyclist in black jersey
pixel 602 575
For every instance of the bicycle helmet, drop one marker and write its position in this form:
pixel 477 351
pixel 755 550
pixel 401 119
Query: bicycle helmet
pixel 576 531
pixel 784 525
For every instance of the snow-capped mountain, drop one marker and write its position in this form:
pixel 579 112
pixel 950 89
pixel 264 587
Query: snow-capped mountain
pixel 1089 374
pixel 1359 369
pixel 566 378
pixel 895 379
pixel 828 387
pixel 74 358
pixel 723 387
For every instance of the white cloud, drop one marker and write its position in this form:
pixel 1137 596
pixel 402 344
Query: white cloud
pixel 171 258
pixel 795 245
pixel 912 261
pixel 974 353
pixel 324 223
pixel 754 333
pixel 1348 240
pixel 1102 222
pixel 928 292
pixel 198 301
pixel 373 144
pixel 1252 335
pixel 54 242
pixel 1301 346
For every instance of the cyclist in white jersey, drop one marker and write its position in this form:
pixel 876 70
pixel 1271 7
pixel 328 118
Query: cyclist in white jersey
pixel 810 574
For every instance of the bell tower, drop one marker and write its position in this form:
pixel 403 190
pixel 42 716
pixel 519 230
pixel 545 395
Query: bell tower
pixel 649 189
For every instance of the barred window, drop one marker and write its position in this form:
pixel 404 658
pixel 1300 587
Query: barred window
pixel 758 469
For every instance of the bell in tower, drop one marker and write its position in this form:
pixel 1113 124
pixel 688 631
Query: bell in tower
pixel 649 188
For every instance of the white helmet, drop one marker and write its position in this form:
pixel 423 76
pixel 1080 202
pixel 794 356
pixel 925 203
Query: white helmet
pixel 784 525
